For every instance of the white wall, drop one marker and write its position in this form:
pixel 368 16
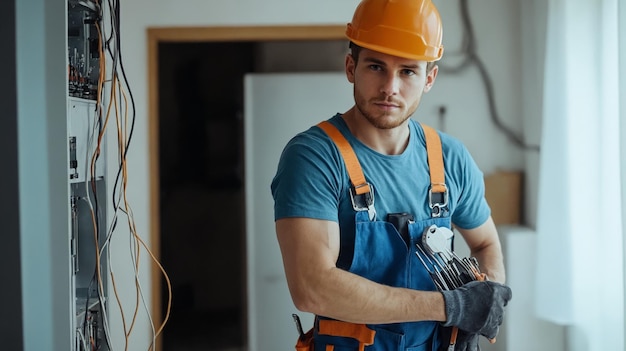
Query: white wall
pixel 533 29
pixel 497 26
pixel 463 94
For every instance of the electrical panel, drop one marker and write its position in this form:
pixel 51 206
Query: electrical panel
pixel 97 98
pixel 84 132
pixel 90 292
pixel 86 175
pixel 87 179
pixel 83 48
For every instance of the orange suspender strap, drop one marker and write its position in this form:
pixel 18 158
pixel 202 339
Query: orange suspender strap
pixel 349 157
pixel 361 193
pixel 438 193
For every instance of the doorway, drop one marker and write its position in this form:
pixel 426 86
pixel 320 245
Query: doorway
pixel 201 191
pixel 196 143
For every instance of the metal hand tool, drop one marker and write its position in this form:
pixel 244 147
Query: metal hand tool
pixel 447 270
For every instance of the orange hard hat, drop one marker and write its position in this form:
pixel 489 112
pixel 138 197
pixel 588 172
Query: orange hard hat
pixel 406 28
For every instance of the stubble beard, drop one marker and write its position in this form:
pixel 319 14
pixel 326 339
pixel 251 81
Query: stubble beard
pixel 381 121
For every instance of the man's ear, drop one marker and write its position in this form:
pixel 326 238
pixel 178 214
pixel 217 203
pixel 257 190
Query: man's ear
pixel 350 66
pixel 430 78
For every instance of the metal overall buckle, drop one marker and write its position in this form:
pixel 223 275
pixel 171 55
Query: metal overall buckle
pixel 438 202
pixel 363 202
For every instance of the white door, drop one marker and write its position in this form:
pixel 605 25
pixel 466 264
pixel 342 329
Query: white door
pixel 277 107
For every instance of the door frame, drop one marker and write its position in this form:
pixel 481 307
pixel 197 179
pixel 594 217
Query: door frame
pixel 160 35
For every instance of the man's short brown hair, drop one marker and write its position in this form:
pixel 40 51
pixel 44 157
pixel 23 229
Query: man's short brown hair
pixel 356 49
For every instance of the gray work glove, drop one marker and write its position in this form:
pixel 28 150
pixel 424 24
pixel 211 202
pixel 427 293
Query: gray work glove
pixel 464 341
pixel 477 307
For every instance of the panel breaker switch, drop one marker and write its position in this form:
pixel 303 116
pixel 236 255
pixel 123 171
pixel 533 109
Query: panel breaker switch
pixel 73 160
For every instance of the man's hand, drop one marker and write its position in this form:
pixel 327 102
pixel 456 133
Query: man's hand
pixel 477 307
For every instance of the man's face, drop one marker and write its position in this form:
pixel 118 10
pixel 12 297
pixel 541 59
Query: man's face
pixel 388 89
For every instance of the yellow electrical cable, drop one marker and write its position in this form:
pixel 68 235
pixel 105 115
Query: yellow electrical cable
pixel 122 118
pixel 101 77
pixel 133 228
pixel 122 149
pixel 102 74
pixel 117 298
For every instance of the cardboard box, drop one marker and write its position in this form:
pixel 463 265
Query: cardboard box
pixel 503 191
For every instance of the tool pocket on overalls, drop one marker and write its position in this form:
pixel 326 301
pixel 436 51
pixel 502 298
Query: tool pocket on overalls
pixel 305 342
pixel 334 335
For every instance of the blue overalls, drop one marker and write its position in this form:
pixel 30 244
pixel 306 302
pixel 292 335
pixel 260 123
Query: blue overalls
pixel 382 254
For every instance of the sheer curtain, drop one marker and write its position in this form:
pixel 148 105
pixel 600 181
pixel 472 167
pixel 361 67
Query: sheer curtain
pixel 580 268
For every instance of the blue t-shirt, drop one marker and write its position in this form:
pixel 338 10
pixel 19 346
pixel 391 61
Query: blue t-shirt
pixel 312 181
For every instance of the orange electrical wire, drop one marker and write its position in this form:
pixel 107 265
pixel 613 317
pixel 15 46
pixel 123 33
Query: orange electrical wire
pixel 102 75
pixel 101 79
pixel 131 224
pixel 122 139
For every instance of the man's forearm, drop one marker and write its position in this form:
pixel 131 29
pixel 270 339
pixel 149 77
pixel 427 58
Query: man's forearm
pixel 491 262
pixel 348 297
pixel 484 244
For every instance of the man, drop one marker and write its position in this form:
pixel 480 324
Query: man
pixel 348 246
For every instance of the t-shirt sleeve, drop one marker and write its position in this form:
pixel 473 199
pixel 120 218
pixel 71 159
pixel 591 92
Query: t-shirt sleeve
pixel 308 178
pixel 472 209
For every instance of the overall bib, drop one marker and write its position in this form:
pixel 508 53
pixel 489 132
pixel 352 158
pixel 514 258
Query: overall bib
pixel 384 252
